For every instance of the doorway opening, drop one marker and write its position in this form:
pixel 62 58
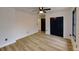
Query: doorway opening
pixel 43 24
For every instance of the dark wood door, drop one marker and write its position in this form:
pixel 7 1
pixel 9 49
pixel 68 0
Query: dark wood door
pixel 56 26
pixel 43 25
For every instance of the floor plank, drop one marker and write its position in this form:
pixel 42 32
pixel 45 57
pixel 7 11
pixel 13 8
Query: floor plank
pixel 40 42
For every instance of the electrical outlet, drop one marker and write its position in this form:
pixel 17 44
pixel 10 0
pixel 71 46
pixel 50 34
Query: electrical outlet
pixel 6 39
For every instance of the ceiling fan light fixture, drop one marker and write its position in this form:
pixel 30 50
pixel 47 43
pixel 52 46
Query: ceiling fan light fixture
pixel 41 12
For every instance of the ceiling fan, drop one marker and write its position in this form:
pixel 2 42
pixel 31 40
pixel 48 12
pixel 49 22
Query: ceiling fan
pixel 43 10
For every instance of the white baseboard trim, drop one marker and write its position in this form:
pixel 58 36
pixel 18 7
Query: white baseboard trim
pixel 12 42
pixel 26 35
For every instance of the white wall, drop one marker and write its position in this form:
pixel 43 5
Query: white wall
pixel 39 24
pixel 26 23
pixel 7 23
pixel 67 21
pixel 16 24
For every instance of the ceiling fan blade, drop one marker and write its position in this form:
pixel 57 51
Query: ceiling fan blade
pixel 48 9
pixel 44 11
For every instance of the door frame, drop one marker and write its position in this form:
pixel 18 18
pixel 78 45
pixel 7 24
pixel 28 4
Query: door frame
pixel 74 16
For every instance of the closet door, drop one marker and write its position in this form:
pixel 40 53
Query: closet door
pixel 59 26
pixel 53 29
pixel 56 26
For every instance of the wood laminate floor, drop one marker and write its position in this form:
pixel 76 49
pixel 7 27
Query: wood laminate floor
pixel 40 42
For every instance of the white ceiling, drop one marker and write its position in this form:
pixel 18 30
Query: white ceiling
pixel 36 9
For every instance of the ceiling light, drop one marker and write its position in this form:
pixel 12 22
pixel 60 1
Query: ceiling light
pixel 41 12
